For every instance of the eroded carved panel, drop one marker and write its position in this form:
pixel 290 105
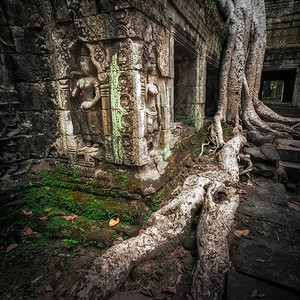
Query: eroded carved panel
pixel 85 99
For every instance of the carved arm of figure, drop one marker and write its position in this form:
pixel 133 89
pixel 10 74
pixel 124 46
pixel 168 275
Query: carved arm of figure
pixel 75 91
pixel 86 105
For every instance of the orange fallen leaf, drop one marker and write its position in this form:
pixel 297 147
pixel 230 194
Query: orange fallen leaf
pixel 73 216
pixel 11 247
pixel 27 230
pixel 240 233
pixel 141 231
pixel 113 222
pixel 294 206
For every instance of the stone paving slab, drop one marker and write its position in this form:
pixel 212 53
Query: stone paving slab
pixel 271 212
pixel 269 263
pixel 270 252
pixel 242 287
pixel 272 234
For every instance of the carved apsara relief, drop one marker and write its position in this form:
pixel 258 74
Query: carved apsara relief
pixel 153 109
pixel 86 98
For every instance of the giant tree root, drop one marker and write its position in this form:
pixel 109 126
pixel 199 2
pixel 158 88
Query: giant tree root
pixel 169 225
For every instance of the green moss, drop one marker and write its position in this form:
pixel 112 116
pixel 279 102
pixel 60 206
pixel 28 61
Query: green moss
pixel 166 153
pixel 117 113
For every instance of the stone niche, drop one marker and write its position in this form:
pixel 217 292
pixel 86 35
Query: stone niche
pixel 128 81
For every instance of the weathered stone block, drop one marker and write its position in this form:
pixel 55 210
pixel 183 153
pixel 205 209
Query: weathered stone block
pixel 37 145
pixel 30 68
pixel 35 96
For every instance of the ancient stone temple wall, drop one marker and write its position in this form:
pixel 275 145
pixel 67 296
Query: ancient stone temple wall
pixel 103 81
pixel 283 46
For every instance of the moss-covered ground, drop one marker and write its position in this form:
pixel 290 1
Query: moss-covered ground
pixel 54 227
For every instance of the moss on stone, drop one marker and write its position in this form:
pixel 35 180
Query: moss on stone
pixel 117 113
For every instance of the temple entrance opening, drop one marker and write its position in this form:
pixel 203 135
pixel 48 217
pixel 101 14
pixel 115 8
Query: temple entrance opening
pixel 277 86
pixel 212 91
pixel 185 78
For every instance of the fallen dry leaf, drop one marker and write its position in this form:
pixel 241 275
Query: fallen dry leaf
pixel 47 188
pixel 73 216
pixel 27 213
pixel 294 205
pixel 27 230
pixel 141 231
pixel 59 213
pixel 261 295
pixel 57 275
pixel 254 293
pixel 36 279
pixel 178 279
pixel 113 222
pixel 43 218
pixel 118 240
pixel 11 247
pixel 260 260
pixel 10 228
pixel 48 288
pixel 179 267
pixel 170 289
pixel 241 191
pixel 240 233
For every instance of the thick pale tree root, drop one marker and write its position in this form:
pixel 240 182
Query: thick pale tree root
pixel 168 226
pixel 214 226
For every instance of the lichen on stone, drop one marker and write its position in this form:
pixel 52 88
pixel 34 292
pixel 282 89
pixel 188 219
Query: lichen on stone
pixel 117 113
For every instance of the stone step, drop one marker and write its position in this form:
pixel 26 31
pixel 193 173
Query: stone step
pixel 288 143
pixel 289 153
pixel 293 170
pixel 291 165
pixel 288 150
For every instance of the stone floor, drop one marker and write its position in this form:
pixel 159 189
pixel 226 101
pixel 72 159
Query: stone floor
pixel 265 251
pixel 285 109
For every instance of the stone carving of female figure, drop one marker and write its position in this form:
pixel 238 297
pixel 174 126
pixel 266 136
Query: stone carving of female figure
pixel 152 112
pixel 87 90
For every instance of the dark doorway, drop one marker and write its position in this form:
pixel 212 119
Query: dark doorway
pixel 185 78
pixel 277 86
pixel 212 91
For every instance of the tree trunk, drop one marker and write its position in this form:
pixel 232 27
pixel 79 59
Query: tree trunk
pixel 241 74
